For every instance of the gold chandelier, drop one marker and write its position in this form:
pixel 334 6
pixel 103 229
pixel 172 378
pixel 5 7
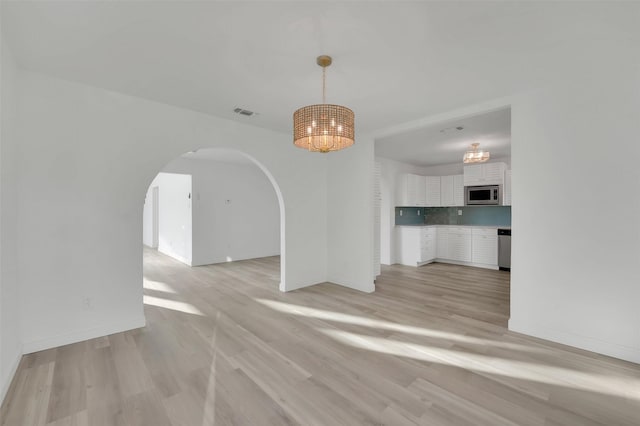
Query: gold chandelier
pixel 323 127
pixel 475 155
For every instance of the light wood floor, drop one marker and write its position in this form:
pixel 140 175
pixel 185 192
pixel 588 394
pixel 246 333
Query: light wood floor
pixel 224 346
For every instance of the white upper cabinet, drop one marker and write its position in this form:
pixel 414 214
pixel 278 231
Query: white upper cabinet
pixel 458 190
pixel 446 191
pixel 412 191
pixel 507 188
pixel 452 191
pixel 484 174
pixel 432 191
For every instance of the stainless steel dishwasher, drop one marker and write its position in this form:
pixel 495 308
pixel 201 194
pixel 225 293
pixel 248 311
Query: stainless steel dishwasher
pixel 504 249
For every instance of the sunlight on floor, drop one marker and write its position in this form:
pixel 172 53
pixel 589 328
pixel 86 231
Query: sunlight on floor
pixel 172 304
pixel 620 386
pixel 157 286
pixel 289 308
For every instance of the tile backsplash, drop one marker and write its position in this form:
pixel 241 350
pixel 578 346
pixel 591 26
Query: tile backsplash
pixel 471 215
pixel 410 215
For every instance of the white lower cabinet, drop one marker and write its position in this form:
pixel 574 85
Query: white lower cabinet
pixel 416 245
pixel 484 244
pixel 459 244
pixel 474 246
pixel 428 244
pixel 442 251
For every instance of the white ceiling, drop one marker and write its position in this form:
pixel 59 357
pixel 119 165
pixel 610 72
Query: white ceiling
pixel 442 143
pixel 394 61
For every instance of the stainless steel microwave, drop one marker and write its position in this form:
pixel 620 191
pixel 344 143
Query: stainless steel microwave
pixel 489 195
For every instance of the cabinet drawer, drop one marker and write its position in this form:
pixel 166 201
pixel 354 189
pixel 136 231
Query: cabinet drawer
pixel 484 232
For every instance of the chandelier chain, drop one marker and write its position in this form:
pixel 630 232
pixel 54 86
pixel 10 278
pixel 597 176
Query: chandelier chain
pixel 324 84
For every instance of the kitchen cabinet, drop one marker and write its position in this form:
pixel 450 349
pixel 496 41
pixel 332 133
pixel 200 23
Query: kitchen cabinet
pixel 416 245
pixel 459 242
pixel 442 238
pixel 484 174
pixel 484 246
pixel 452 191
pixel 467 245
pixel 428 244
pixel 412 190
pixel 432 191
pixel 507 188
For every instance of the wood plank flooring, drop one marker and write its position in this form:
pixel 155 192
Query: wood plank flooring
pixel 223 346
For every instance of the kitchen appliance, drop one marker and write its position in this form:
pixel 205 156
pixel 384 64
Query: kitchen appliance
pixel 504 249
pixel 488 195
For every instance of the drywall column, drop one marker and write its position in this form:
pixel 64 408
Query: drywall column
pixel 350 215
pixel 10 342
pixel 576 211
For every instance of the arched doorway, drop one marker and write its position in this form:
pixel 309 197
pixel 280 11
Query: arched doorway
pixel 215 205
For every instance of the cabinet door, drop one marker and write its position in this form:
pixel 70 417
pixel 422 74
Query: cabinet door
pixel 458 190
pixel 484 174
pixel 420 199
pixel 473 175
pixel 493 173
pixel 460 244
pixel 484 244
pixel 428 244
pixel 408 246
pixel 442 250
pixel 432 193
pixel 402 199
pixel 412 190
pixel 415 190
pixel 507 188
pixel 446 191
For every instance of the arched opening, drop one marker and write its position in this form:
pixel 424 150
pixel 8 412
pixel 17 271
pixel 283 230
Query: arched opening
pixel 213 206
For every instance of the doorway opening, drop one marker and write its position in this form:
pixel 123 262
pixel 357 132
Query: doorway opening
pixel 427 219
pixel 213 207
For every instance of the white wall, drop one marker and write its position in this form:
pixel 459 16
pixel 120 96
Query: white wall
pixel 174 215
pixel 576 205
pixel 576 210
pixel 10 344
pixel 235 210
pixel 73 138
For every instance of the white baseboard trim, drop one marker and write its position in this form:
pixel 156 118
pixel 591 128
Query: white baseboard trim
pixel 6 381
pixel 615 350
pixel 290 287
pixel 456 262
pixel 80 335
pixel 365 288
pixel 174 255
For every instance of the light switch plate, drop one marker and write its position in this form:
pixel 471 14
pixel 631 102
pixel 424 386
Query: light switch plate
pixel 459 212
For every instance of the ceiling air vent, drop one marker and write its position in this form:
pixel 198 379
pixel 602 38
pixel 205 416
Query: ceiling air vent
pixel 244 112
pixel 452 129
